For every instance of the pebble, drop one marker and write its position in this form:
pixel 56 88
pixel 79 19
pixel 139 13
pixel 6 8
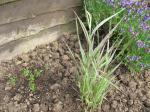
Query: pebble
pixel 147 103
pixel 30 99
pixel 44 107
pixel 77 45
pixel 148 85
pixel 8 87
pixel 65 57
pixel 27 101
pixel 55 55
pixel 61 51
pixel 148 94
pixel 25 58
pixel 6 98
pixel 130 102
pixel 58 107
pixel 34 54
pixel 11 107
pixel 73 70
pixel 132 85
pixel 18 97
pixel 114 104
pixel 55 86
pixel 23 107
pixel 24 64
pixel 105 107
pixel 18 62
pixel 46 58
pixel 31 94
pixel 36 107
pixel 56 45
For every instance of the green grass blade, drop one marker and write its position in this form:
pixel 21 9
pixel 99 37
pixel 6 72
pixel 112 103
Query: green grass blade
pixel 104 21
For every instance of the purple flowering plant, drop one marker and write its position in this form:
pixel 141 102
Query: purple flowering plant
pixel 135 28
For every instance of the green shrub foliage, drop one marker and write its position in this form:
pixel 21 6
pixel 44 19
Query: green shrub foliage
pixel 135 28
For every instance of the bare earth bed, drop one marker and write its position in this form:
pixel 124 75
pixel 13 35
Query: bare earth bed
pixel 56 88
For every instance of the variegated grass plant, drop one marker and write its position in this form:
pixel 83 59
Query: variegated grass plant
pixel 96 63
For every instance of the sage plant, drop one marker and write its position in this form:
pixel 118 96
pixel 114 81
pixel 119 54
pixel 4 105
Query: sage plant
pixel 135 28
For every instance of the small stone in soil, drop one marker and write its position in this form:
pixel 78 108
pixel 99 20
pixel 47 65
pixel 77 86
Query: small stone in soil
pixel 55 55
pixel 148 94
pixel 36 108
pixel 132 85
pixel 6 99
pixel 44 107
pixel 31 94
pixel 8 87
pixel 55 86
pixel 11 107
pixel 18 97
pixel 58 107
pixel 14 107
pixel 25 58
pixel 65 57
pixel 27 101
pixel 18 62
pixel 56 45
pixel 105 107
pixel 148 84
pixel 130 102
pixel 147 103
pixel 24 64
pixel 46 58
pixel 114 104
pixel 73 69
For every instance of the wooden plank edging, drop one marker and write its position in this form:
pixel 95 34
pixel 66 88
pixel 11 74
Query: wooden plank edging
pixel 25 9
pixel 23 45
pixel 3 2
pixel 25 28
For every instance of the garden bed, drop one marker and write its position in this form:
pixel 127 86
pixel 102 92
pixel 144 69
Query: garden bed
pixel 56 87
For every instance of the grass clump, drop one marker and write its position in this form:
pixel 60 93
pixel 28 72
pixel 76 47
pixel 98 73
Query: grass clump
pixel 95 69
pixel 31 77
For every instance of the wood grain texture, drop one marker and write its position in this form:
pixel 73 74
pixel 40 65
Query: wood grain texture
pixel 25 9
pixel 2 2
pixel 26 24
pixel 24 28
pixel 23 45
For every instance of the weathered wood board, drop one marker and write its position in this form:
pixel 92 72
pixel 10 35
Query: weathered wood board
pixel 25 24
pixel 2 2
pixel 23 45
pixel 27 27
pixel 25 9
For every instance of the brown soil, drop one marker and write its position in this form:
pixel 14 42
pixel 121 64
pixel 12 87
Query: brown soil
pixel 56 88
